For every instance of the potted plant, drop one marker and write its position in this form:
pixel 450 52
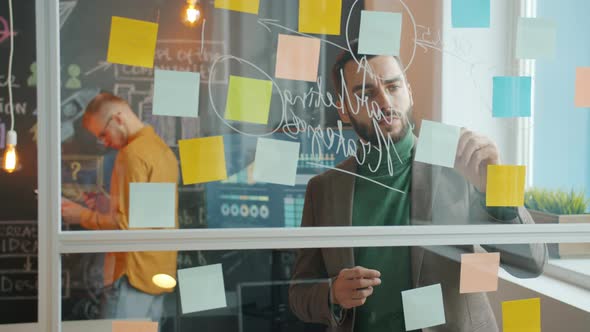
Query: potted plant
pixel 560 207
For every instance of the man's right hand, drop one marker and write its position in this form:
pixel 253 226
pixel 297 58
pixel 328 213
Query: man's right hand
pixel 352 286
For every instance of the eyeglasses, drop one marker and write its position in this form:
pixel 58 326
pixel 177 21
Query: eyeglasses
pixel 102 134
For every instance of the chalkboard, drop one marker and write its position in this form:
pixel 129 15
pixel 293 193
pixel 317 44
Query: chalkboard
pixel 86 165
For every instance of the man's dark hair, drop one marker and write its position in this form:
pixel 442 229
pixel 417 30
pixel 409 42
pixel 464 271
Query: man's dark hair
pixel 343 58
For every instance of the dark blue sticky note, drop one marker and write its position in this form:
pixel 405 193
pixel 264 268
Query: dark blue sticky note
pixel 512 97
pixel 471 13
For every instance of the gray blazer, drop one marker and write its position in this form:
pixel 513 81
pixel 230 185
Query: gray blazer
pixel 439 196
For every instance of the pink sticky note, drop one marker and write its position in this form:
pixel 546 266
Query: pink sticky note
pixel 384 5
pixel 134 326
pixel 583 87
pixel 479 272
pixel 298 58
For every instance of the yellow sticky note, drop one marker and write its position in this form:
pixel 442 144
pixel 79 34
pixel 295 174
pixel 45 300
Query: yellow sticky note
pixel 522 315
pixel 202 160
pixel 320 16
pixel 505 185
pixel 244 6
pixel 132 42
pixel 134 326
pixel 248 100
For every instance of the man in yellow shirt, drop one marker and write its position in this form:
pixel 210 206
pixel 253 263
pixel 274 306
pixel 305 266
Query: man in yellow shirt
pixel 143 157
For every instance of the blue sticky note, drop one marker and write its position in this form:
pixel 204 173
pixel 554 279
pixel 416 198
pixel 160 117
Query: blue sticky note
pixel 176 93
pixel 380 33
pixel 152 205
pixel 512 97
pixel 437 144
pixel 471 13
pixel 423 307
pixel 535 38
pixel 201 288
pixel 276 161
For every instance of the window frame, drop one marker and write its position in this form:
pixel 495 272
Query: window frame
pixel 53 242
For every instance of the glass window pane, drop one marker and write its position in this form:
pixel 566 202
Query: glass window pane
pixel 18 200
pixel 274 290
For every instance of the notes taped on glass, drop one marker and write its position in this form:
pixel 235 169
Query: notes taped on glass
pixel 479 272
pixel 320 16
pixel 248 100
pixel 437 144
pixel 152 205
pixel 132 42
pixel 201 288
pixel 511 96
pixel 176 93
pixel 244 6
pixel 276 161
pixel 521 315
pixel 582 95
pixel 298 58
pixel 134 326
pixel 423 307
pixel 380 33
pixel 535 38
pixel 202 160
pixel 505 185
pixel 471 13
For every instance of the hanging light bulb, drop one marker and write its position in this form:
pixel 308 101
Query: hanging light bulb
pixel 192 13
pixel 163 280
pixel 10 161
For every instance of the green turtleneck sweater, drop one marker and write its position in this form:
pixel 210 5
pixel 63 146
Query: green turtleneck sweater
pixel 375 205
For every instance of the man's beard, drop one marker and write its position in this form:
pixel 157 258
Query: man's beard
pixel 367 132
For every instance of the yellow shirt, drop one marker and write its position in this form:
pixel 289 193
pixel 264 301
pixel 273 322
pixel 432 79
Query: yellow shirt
pixel 146 158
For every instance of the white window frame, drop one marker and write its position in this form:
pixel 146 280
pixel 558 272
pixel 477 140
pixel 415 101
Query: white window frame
pixel 53 242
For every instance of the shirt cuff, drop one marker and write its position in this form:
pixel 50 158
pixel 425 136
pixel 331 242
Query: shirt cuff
pixel 89 219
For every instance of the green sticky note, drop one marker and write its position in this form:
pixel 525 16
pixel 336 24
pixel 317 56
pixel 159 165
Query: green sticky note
pixel 471 13
pixel 248 100
pixel 176 93
pixel 201 288
pixel 380 33
pixel 152 205
pixel 423 307
pixel 535 38
pixel 276 161
pixel 437 144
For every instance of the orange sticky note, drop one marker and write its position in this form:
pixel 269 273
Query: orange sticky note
pixel 320 16
pixel 522 315
pixel 298 58
pixel 244 6
pixel 384 6
pixel 202 160
pixel 505 185
pixel 479 272
pixel 132 42
pixel 134 326
pixel 583 87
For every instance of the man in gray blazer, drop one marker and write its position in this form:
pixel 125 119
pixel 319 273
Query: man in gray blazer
pixel 383 185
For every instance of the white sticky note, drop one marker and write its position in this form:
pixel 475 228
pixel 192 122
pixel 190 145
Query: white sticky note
pixel 437 144
pixel 276 161
pixel 201 288
pixel 176 93
pixel 152 205
pixel 536 38
pixel 423 307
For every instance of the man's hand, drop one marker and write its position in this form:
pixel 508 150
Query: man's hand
pixel 71 211
pixel 97 202
pixel 352 286
pixel 474 153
